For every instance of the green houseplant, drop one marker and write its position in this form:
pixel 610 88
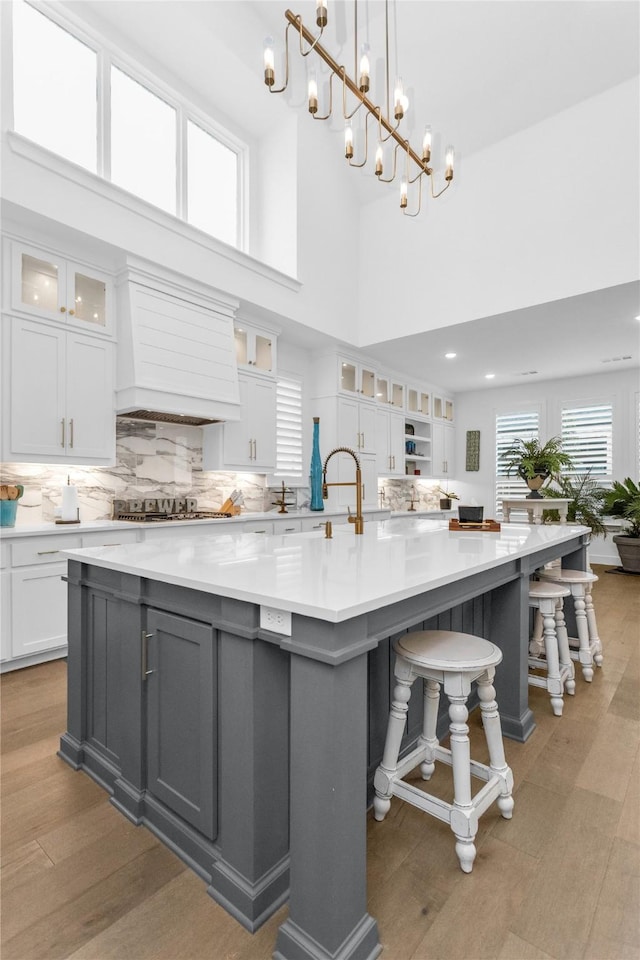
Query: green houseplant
pixel 586 500
pixel 536 462
pixel 623 501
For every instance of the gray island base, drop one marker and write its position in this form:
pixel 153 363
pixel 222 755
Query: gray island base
pixel 251 753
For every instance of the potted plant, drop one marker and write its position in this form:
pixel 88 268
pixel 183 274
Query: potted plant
pixel 623 500
pixel 586 500
pixel 446 496
pixel 536 462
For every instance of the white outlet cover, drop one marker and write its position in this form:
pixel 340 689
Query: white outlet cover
pixel 278 621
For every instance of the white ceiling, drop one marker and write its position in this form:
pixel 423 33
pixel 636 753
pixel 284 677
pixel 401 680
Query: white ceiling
pixel 478 71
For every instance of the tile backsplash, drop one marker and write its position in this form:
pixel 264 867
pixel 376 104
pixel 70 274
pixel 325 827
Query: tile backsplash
pixel 166 459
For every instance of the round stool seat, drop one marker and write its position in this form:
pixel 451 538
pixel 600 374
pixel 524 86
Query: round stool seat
pixel 447 650
pixel 568 576
pixel 547 591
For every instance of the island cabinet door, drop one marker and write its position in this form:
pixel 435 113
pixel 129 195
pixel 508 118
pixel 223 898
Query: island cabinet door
pixel 182 740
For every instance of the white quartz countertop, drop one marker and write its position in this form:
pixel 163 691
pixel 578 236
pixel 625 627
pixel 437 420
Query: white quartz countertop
pixel 87 526
pixel 328 579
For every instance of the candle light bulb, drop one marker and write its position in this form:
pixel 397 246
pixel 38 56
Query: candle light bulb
pixel 269 62
pixel 398 99
pixel 403 193
pixel 365 68
pixel 426 144
pixel 313 91
pixel 348 140
pixel 449 158
pixel 321 13
pixel 379 160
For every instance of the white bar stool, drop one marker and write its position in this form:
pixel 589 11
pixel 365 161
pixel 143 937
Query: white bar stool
pixel 546 598
pixel 454 660
pixel 587 646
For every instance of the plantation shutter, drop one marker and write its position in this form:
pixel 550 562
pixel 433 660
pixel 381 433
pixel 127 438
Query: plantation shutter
pixel 288 428
pixel 509 428
pixel 587 437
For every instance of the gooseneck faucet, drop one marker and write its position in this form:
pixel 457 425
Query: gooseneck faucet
pixel 358 519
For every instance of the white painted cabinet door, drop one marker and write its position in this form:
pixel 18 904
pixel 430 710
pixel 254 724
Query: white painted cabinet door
pixel 90 399
pixel 250 443
pixel 38 609
pixel 389 443
pixel 443 450
pixel 356 425
pixel 34 391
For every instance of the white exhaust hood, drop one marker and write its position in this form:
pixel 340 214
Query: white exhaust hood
pixel 176 349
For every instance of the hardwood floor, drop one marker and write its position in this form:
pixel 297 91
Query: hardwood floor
pixel 561 880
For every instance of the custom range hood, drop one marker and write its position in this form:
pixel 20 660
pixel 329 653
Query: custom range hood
pixel 176 349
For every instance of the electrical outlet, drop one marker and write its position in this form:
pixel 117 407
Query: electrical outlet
pixel 278 621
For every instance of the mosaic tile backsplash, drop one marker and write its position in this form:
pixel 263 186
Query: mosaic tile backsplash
pixel 166 459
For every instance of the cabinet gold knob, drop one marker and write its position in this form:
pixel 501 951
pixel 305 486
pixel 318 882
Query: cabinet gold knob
pixel 63 309
pixel 71 312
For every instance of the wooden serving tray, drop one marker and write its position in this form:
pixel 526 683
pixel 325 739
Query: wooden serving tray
pixel 491 525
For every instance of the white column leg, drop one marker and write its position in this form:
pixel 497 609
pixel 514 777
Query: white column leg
pixel 461 767
pixel 584 651
pixel 594 639
pixel 386 772
pixel 554 682
pixel 429 723
pixel 567 671
pixel 493 734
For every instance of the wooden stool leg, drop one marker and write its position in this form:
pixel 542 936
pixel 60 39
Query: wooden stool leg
pixel 536 644
pixel 566 663
pixel 430 721
pixel 554 681
pixel 594 639
pixel 584 650
pixel 493 735
pixel 386 772
pixel 464 819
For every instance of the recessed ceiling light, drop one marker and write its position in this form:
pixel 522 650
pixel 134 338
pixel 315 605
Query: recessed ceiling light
pixel 637 318
pixel 450 356
pixel 489 376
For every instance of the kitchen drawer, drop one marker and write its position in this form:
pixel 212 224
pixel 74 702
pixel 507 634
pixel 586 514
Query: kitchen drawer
pixel 310 523
pixel 32 550
pixel 287 526
pixel 258 526
pixel 109 538
pixel 186 531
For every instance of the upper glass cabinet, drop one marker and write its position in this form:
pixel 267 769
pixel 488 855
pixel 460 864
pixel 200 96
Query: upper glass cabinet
pixel 418 402
pixel 47 286
pixel 356 378
pixel 255 348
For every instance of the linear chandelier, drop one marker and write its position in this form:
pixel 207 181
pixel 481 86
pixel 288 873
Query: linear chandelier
pixel 387 124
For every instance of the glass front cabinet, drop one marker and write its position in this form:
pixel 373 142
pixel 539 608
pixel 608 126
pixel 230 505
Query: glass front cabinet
pixel 356 378
pixel 46 286
pixel 255 348
pixel 418 402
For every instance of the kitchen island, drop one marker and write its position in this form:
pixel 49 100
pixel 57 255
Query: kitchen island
pixel 231 693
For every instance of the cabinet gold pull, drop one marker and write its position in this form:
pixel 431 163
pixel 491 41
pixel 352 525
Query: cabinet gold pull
pixel 63 309
pixel 71 433
pixel 62 423
pixel 71 313
pixel 42 553
pixel 145 638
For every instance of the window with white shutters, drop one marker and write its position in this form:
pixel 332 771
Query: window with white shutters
pixel 509 428
pixel 587 432
pixel 289 428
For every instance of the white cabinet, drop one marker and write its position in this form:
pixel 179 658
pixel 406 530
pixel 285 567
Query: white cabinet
pixel 443 450
pixel 390 443
pixel 418 402
pixel 249 443
pixel 356 425
pixel 356 377
pixel 389 390
pixel 418 448
pixel 257 526
pixel 255 348
pixel 443 409
pixel 47 286
pixel 58 395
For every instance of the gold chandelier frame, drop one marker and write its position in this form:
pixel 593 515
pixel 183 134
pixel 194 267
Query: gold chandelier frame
pixel 359 91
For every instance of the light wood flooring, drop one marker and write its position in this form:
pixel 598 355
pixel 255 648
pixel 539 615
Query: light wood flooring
pixel 561 880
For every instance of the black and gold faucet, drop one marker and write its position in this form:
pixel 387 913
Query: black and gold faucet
pixel 358 520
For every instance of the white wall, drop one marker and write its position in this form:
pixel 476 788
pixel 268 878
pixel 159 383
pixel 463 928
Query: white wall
pixel 477 410
pixel 548 213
